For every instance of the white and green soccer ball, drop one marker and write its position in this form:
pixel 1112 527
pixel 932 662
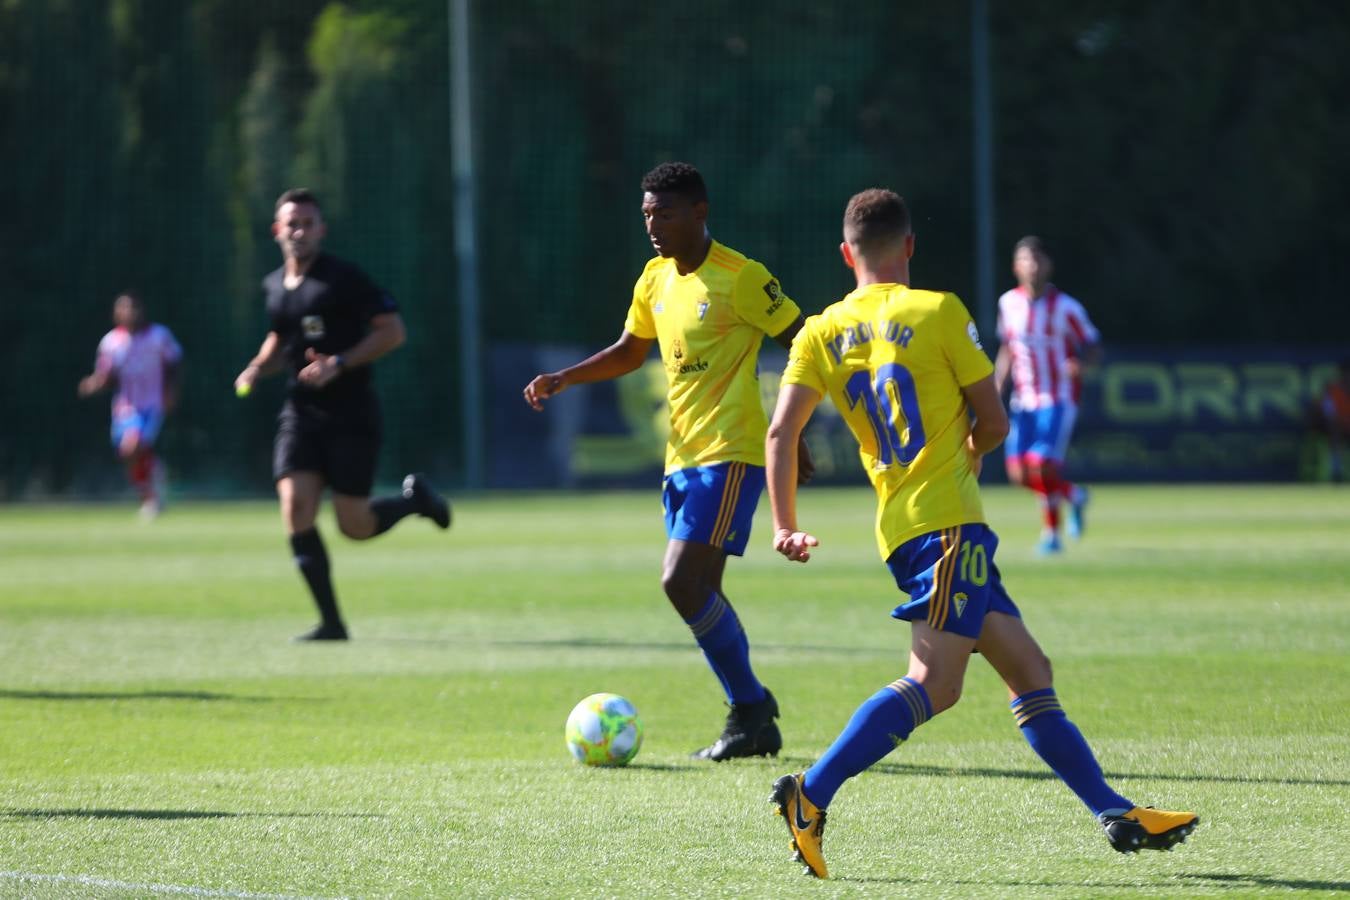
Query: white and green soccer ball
pixel 604 730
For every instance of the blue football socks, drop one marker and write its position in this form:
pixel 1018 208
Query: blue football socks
pixel 724 644
pixel 877 727
pixel 1059 742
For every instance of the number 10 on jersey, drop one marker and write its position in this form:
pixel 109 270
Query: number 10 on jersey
pixel 891 403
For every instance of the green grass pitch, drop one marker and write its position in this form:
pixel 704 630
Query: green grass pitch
pixel 159 735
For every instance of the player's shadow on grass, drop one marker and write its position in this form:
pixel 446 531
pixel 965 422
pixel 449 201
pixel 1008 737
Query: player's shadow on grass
pixel 992 882
pixel 665 767
pixel 1247 881
pixel 6 694
pixel 580 643
pixel 1235 881
pixel 1047 775
pixel 154 814
pixel 527 644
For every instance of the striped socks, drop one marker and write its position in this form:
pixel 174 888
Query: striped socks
pixel 1059 742
pixel 725 646
pixel 878 726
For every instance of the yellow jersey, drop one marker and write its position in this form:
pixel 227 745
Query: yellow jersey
pixel 710 324
pixel 894 361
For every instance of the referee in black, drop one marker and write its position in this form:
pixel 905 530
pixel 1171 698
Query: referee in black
pixel 329 322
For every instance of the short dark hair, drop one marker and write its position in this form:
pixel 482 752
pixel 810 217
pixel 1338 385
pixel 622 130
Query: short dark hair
pixel 676 178
pixel 131 294
pixel 297 195
pixel 1034 244
pixel 875 219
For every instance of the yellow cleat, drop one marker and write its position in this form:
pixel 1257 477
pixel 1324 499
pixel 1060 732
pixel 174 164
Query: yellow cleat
pixel 805 823
pixel 1146 828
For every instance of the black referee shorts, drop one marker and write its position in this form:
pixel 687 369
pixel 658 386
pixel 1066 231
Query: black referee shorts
pixel 344 457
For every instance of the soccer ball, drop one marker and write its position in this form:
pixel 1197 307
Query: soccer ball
pixel 604 730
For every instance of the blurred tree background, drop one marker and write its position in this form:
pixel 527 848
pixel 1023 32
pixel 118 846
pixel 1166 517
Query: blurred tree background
pixel 1188 163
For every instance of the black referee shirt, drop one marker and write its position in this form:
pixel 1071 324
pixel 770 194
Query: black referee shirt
pixel 330 311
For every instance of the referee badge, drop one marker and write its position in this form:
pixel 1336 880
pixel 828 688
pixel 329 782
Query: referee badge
pixel 312 327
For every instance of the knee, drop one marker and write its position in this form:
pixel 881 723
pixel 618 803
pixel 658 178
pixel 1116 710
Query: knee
pixel 942 693
pixel 944 697
pixel 677 583
pixel 356 520
pixel 298 516
pixel 1035 674
pixel 352 530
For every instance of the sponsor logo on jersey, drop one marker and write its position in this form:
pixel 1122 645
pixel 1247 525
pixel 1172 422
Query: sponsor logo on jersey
pixel 677 365
pixel 775 296
pixel 702 309
pixel 974 335
pixel 312 327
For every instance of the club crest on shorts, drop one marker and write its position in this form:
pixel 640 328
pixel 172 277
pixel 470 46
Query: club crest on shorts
pixel 312 327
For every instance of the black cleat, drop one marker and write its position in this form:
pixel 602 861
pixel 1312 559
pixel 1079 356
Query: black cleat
pixel 750 731
pixel 328 631
pixel 1147 828
pixel 429 503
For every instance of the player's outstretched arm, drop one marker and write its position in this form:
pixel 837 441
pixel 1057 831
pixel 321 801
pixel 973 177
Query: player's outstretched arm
pixel 619 358
pixel 94 382
pixel 795 404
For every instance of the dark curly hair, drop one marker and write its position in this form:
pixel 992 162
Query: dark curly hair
pixel 676 178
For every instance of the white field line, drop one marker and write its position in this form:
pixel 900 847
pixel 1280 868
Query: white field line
pixel 181 889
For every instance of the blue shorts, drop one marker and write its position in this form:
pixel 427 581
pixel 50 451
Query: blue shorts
pixel 146 421
pixel 951 579
pixel 1041 434
pixel 713 504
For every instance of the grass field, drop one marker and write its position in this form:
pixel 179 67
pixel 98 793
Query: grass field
pixel 159 735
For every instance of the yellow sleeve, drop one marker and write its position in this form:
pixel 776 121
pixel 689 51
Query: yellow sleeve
pixel 803 366
pixel 759 300
pixel 961 340
pixel 640 321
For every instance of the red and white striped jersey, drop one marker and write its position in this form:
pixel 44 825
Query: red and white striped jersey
pixel 138 360
pixel 1042 335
